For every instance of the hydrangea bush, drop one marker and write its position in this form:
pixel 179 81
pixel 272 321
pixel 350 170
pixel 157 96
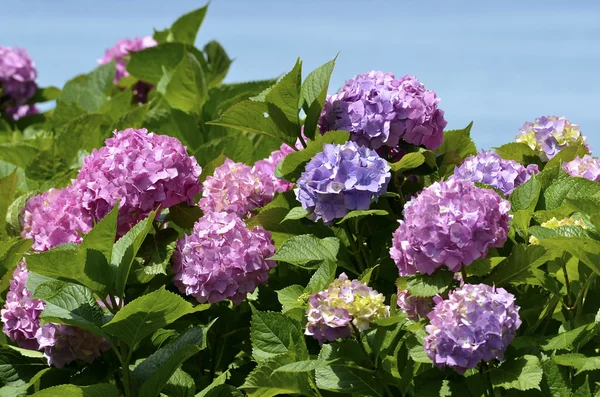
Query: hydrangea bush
pixel 160 237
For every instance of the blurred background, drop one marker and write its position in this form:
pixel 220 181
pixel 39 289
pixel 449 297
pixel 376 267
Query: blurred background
pixel 497 63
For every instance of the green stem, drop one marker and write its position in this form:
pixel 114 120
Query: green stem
pixel 485 374
pixel 357 254
pixel 302 141
pixel 583 294
pixel 125 352
pixel 314 386
pixel 463 272
pixel 361 246
pixel 362 345
pixel 569 295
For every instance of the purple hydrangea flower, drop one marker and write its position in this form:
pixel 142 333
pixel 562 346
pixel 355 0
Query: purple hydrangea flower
pixel 61 344
pixel 143 170
pixel 450 224
pixel 549 135
pixel 18 112
pixel 17 81
pixel 265 170
pixel 341 178
pixel 345 304
pixel 476 323
pixel 55 217
pixel 491 169
pixel 586 167
pixel 378 110
pixel 415 307
pixel 222 259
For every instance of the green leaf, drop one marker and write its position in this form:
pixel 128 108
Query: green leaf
pixel 144 315
pixel 408 162
pixel 180 384
pixel 526 196
pixel 184 87
pixel 429 285
pixel 481 267
pixel 185 28
pixel 273 334
pixel 8 189
pixel 324 276
pixel 89 92
pixel 102 236
pixel 571 339
pixel 295 214
pixel 45 94
pixel 556 379
pixel 125 250
pixel 184 216
pixel 20 154
pixel 97 390
pixel 365 276
pixel 361 213
pixel 346 378
pixel 585 249
pixel 569 188
pixel 118 105
pixel 578 361
pixel 285 95
pixel 313 94
pixel 288 297
pixel 13 215
pixel 294 163
pixel 519 152
pixel 81 134
pixel 225 95
pixel 17 369
pixel 457 144
pixel 218 62
pixel 222 390
pixel 158 368
pixel 157 251
pixel 521 261
pixel 569 153
pixel 263 381
pixel 307 251
pixel 166 120
pixel 11 253
pixel 524 373
pixel 302 366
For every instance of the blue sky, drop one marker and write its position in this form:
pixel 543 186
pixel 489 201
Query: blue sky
pixel 498 63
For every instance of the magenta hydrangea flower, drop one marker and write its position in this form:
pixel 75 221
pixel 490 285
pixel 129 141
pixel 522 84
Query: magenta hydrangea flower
pixel 222 259
pixel 549 135
pixel 55 217
pixel 415 307
pixel 450 224
pixel 344 305
pixel 143 170
pixel 341 178
pixel 61 344
pixel 586 167
pixel 17 81
pixel 265 170
pixel 491 169
pixel 379 110
pixel 476 323
pixel 235 188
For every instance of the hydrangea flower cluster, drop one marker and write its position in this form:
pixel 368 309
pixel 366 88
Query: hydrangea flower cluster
pixel 341 178
pixel 143 170
pixel 55 217
pixel 345 304
pixel 119 54
pixel 450 223
pixel 379 110
pixel 553 223
pixel 61 344
pixel 222 259
pixel 415 307
pixel 265 169
pixel 586 167
pixel 476 323
pixel 489 168
pixel 549 135
pixel 17 82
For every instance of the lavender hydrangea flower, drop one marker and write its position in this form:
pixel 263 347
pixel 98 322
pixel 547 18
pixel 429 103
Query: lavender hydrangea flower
pixel 490 168
pixel 415 307
pixel 119 54
pixel 61 344
pixel 143 170
pixel 345 304
pixel 222 259
pixel 586 167
pixel 341 178
pixel 379 110
pixel 549 135
pixel 450 224
pixel 55 217
pixel 265 170
pixel 17 81
pixel 476 323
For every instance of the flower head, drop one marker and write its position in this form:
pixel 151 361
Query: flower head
pixel 476 323
pixel 55 217
pixel 415 307
pixel 586 167
pixel 342 178
pixel 17 81
pixel 222 259
pixel 121 50
pixel 265 169
pixel 450 224
pixel 491 169
pixel 549 135
pixel 379 110
pixel 143 170
pixel 343 305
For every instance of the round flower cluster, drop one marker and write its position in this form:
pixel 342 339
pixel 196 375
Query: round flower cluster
pixel 476 323
pixel 222 259
pixel 451 223
pixel 143 170
pixel 490 168
pixel 415 307
pixel 17 82
pixel 265 169
pixel 341 178
pixel 586 167
pixel 549 135
pixel 345 304
pixel 379 110
pixel 61 344
pixel 55 217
